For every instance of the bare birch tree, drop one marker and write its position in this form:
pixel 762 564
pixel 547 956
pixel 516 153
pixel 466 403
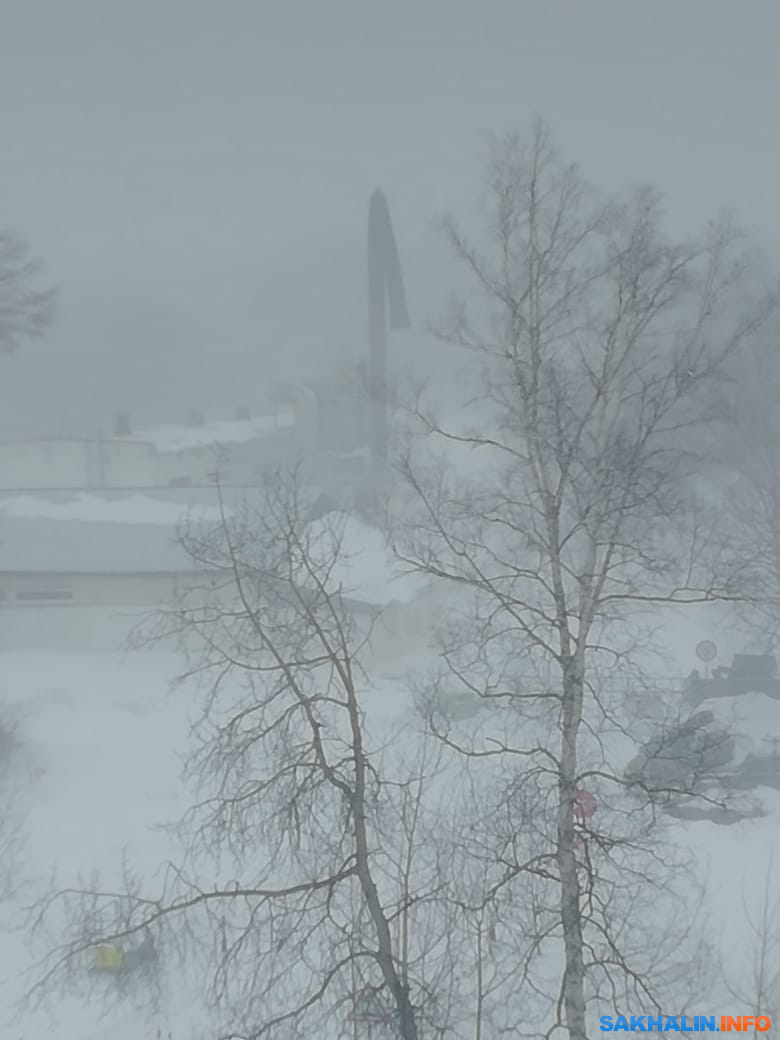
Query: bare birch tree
pixel 559 508
pixel 26 305
pixel 12 808
pixel 758 988
pixel 748 492
pixel 299 893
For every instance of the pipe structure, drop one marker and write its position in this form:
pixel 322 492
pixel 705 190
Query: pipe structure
pixel 385 287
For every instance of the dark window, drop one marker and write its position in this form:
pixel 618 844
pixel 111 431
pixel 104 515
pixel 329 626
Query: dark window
pixel 44 595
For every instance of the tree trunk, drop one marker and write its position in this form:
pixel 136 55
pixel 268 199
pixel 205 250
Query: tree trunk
pixel 407 1020
pixel 571 918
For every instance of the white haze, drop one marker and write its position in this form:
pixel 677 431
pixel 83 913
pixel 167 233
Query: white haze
pixel 196 174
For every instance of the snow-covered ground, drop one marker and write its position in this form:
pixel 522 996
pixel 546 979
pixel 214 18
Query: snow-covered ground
pixel 99 762
pixel 101 736
pixel 98 739
pixel 360 563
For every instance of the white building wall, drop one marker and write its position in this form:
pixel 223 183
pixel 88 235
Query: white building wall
pixel 84 612
pixel 77 464
pixel 243 462
pixel 188 466
pixel 52 464
pixel 128 464
pixel 76 629
pixel 43 464
pixel 95 590
pixel 99 612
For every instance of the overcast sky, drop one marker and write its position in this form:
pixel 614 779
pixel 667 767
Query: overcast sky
pixel 196 173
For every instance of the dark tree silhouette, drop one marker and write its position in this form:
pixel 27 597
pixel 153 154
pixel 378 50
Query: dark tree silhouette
pixel 26 304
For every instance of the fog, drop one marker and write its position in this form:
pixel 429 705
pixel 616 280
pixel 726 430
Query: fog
pixel 196 175
pixel 332 711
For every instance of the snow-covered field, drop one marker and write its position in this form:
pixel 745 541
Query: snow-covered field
pixel 99 764
pixel 98 741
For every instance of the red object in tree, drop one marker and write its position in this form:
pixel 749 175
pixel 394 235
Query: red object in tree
pixel 584 805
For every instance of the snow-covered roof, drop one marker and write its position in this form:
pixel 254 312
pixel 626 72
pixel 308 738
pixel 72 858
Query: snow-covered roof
pixel 365 569
pixel 46 546
pixel 174 438
pixel 137 534
pixel 130 509
pixel 52 440
pixel 83 533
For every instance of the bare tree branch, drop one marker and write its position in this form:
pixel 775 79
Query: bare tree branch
pixel 560 509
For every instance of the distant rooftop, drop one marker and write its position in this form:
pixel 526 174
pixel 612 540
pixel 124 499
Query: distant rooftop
pixel 104 533
pixel 43 545
pixel 178 437
pixel 166 510
pixel 172 438
pixel 57 438
pixel 138 534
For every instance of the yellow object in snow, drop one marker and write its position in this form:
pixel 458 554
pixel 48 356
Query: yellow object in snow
pixel 108 958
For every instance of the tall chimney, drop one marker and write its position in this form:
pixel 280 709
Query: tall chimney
pixel 385 284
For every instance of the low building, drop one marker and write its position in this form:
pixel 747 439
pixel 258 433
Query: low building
pixel 321 427
pixel 240 451
pixel 82 585
pixel 236 452
pixel 82 572
pixel 51 463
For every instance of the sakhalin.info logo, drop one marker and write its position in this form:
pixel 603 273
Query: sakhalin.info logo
pixel 684 1023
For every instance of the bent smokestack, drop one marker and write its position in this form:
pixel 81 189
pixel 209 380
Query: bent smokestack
pixel 385 285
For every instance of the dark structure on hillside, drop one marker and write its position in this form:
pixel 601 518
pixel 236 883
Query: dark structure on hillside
pixel 385 286
pixel 693 767
pixel 749 673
